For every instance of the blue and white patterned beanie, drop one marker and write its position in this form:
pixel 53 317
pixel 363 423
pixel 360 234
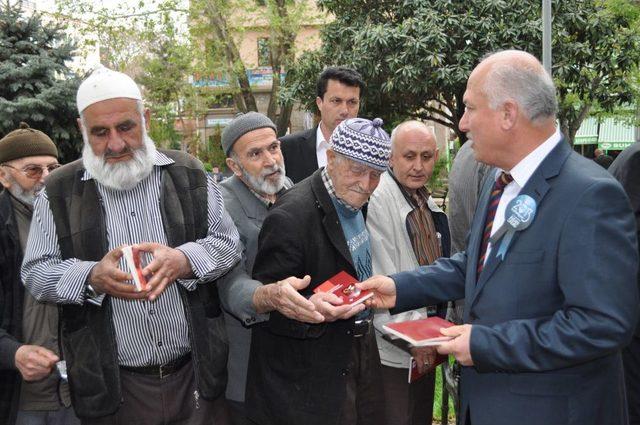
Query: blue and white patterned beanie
pixel 363 141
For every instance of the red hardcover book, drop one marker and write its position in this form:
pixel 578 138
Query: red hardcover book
pixel 420 333
pixel 414 373
pixel 344 286
pixel 131 256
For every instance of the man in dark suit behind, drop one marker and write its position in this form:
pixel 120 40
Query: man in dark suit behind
pixel 546 315
pixel 339 90
pixel 626 169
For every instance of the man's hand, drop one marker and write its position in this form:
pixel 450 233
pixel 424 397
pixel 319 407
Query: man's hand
pixel 460 345
pixel 384 291
pixel 168 264
pixel 328 305
pixel 284 297
pixel 35 362
pixel 107 278
pixel 425 357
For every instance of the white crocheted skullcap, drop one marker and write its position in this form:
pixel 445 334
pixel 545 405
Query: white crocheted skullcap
pixel 104 84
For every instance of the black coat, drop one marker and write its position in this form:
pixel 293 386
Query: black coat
pixel 11 301
pixel 299 151
pixel 297 372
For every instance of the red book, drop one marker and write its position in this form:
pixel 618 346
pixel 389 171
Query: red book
pixel 131 256
pixel 420 333
pixel 344 286
pixel 414 373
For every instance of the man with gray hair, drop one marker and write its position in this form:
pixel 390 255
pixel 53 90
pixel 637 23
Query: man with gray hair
pixel 253 154
pixel 549 273
pixel 135 355
pixel 407 230
pixel 326 373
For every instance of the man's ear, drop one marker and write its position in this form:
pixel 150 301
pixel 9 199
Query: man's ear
pixel 79 122
pixel 233 166
pixel 510 111
pixel 147 118
pixel 4 178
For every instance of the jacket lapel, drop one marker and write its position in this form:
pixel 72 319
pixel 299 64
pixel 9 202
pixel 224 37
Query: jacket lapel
pixel 251 205
pixel 330 221
pixel 309 151
pixel 536 187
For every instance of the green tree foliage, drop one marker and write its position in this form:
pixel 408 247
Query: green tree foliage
pixel 416 55
pixel 222 25
pixel 36 86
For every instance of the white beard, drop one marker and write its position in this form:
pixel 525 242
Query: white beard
pixel 27 197
pixel 260 183
pixel 121 175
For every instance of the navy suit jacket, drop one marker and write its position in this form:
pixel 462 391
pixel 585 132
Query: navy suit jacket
pixel 549 320
pixel 299 152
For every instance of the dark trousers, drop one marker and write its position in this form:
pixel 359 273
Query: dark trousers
pixel 149 400
pixel 631 361
pixel 363 404
pixel 407 404
pixel 237 413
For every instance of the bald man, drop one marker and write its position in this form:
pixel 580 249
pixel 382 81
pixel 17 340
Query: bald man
pixel 550 296
pixel 407 229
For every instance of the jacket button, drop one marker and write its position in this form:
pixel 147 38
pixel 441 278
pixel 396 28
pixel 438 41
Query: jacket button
pixel 344 372
pixel 349 332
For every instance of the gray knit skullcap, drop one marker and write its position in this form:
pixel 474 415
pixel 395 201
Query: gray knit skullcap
pixel 363 141
pixel 241 125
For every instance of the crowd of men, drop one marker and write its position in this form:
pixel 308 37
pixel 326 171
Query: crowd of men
pixel 228 328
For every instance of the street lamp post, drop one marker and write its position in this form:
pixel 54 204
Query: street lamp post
pixel 546 35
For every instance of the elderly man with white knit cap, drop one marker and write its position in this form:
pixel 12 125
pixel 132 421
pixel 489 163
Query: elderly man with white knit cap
pixel 327 373
pixel 134 355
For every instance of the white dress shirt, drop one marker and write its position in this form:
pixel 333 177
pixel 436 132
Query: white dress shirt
pixel 521 174
pixel 321 148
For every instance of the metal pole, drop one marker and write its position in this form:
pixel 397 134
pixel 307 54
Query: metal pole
pixel 546 35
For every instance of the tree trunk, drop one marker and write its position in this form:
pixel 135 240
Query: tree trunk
pixel 282 56
pixel 232 55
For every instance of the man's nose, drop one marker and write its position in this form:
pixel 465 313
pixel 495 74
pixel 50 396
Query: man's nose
pixel 116 143
pixel 463 125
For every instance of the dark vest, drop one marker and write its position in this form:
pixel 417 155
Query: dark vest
pixel 87 332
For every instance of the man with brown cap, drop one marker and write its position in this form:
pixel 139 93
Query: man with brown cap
pixel 29 386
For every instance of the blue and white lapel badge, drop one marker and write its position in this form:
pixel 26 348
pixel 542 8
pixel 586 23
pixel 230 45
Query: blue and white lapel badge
pixel 519 215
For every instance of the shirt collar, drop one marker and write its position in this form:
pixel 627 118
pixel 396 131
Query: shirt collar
pixel 320 140
pixel 328 184
pixel 159 161
pixel 524 169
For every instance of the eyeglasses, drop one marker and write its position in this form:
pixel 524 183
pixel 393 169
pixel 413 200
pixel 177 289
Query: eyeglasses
pixel 34 171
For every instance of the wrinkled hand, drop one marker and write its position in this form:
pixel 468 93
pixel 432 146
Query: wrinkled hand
pixel 329 306
pixel 425 357
pixel 384 291
pixel 107 278
pixel 460 345
pixel 35 362
pixel 284 297
pixel 168 264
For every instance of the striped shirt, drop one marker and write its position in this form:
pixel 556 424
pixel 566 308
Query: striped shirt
pixel 147 332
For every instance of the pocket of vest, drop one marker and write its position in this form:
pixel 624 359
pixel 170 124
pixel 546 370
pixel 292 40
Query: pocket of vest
pixel 86 376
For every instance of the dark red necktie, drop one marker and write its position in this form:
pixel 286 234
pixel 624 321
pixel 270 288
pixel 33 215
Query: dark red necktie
pixel 503 180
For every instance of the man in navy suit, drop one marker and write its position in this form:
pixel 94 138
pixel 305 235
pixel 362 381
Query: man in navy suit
pixel 547 314
pixel 339 90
